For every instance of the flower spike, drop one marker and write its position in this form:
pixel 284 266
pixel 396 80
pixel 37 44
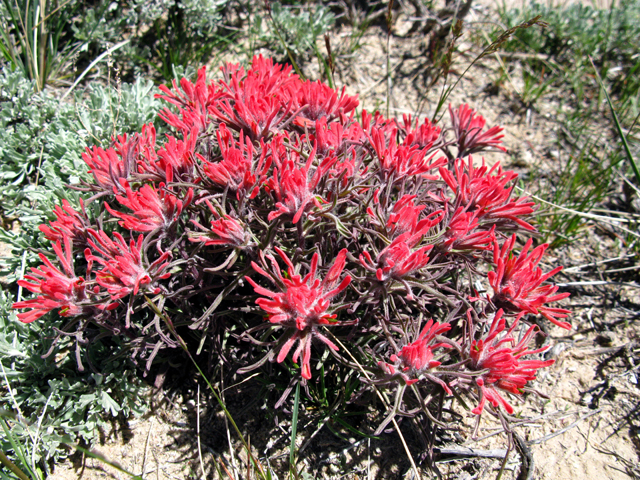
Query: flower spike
pixel 55 288
pixel 518 286
pixel 468 126
pixel 302 306
pixel 500 354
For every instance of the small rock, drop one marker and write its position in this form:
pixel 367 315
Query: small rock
pixel 605 339
pixel 556 350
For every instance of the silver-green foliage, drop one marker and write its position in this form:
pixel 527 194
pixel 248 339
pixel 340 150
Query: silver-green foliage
pixel 297 26
pixel 575 33
pixel 41 150
pixel 163 34
pixel 49 402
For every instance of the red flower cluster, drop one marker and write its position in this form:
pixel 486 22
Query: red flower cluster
pixel 238 169
pixel 315 100
pixel 486 192
pixel 464 232
pixel 302 305
pixel 397 260
pixel 68 223
pixel 293 184
pixel 500 355
pixel 107 168
pixel 227 231
pixel 468 126
pixel 194 102
pixel 153 208
pixel 416 359
pixel 55 288
pixel 406 159
pixel 518 286
pixel 263 165
pixel 124 271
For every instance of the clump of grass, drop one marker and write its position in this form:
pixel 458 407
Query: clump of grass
pixel 34 40
pixel 591 149
pixel 560 52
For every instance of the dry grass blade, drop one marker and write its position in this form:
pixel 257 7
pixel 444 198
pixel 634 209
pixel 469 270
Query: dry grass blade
pixel 98 456
pixel 562 430
pixel 183 345
pixel 386 403
pixel 146 448
pixel 601 218
pixel 595 283
pixel 104 54
pixel 461 452
pixel 204 475
pixel 631 468
pixel 504 36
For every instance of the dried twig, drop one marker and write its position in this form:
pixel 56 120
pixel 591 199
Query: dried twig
pixel 461 452
pixel 538 441
pixel 526 458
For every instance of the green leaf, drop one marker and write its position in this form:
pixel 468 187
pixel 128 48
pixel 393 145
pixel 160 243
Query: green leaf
pixel 109 403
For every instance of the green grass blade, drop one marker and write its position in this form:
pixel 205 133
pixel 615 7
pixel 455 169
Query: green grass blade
pixel 12 466
pixel 294 427
pixel 623 137
pixel 276 29
pixel 352 429
pixel 17 448
pixel 324 65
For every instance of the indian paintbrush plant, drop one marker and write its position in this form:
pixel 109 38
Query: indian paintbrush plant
pixel 276 211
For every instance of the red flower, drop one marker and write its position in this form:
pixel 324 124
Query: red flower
pixel 146 146
pixel 107 167
pixel 405 218
pixel 124 270
pixel 398 260
pixel 399 161
pixel 416 359
pixel 258 103
pixel 302 305
pixel 68 223
pixel 193 102
pixel 517 282
pixel 338 142
pixel 175 159
pixel 226 230
pixel 272 77
pixel 423 136
pixel 485 191
pixel 238 170
pixel 464 233
pixel 501 356
pixel 290 183
pixel 56 289
pixel 315 100
pixel 335 137
pixel 468 126
pixel 152 208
